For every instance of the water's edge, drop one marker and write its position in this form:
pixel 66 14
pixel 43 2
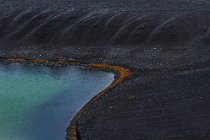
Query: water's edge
pixel 121 73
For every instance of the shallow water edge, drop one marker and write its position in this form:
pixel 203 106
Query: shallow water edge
pixel 121 73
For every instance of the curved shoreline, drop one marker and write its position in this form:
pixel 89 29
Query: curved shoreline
pixel 121 74
pixel 166 42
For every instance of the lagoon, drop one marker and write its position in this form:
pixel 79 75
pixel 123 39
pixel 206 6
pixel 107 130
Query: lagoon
pixel 38 102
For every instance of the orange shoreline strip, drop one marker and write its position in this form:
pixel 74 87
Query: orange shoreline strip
pixel 122 72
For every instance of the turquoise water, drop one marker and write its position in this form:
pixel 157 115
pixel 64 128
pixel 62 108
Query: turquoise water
pixel 37 102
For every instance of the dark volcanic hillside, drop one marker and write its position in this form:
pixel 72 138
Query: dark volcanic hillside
pixel 132 24
pixel 166 43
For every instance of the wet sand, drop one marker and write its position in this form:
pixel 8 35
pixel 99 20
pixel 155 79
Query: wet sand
pixel 165 43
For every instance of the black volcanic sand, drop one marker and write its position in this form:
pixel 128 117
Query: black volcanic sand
pixel 166 43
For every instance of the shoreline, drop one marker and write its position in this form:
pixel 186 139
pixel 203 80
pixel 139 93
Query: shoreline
pixel 166 43
pixel 121 73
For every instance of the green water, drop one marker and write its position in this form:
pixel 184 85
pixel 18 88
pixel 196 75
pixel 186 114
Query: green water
pixel 37 103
